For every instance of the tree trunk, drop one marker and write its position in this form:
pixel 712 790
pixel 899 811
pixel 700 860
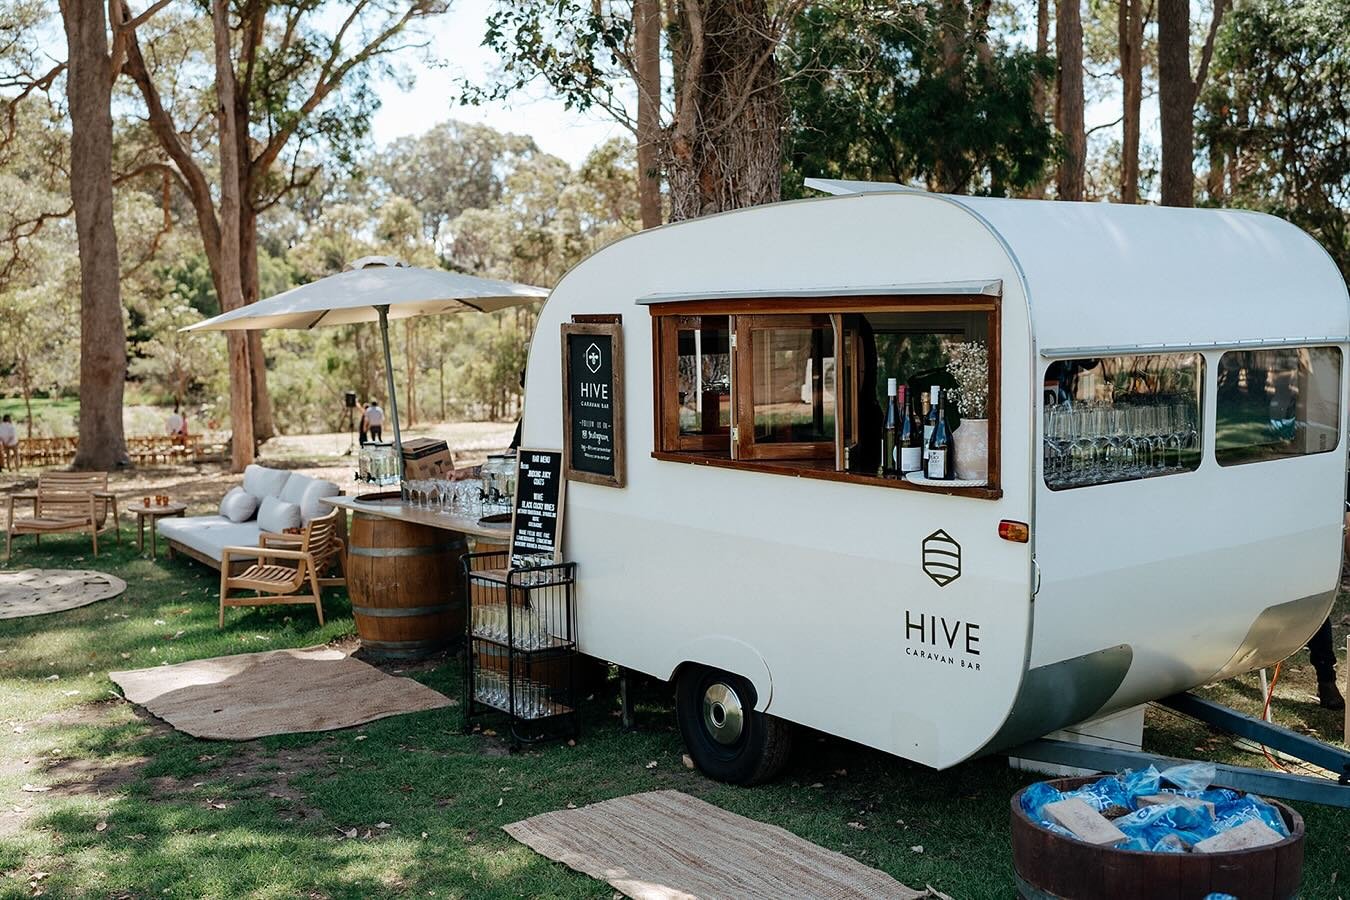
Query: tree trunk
pixel 1176 101
pixel 726 142
pixel 230 283
pixel 647 47
pixel 1072 175
pixel 1131 22
pixel 1039 95
pixel 264 425
pixel 103 341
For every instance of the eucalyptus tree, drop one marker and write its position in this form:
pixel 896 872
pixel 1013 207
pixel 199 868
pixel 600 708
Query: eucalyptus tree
pixel 716 135
pixel 1276 115
pixel 290 85
pixel 1177 93
pixel 925 95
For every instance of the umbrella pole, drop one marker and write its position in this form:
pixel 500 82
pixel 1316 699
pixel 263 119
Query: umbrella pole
pixel 389 383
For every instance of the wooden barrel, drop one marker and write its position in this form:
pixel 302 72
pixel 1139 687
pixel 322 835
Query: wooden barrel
pixel 406 586
pixel 1049 865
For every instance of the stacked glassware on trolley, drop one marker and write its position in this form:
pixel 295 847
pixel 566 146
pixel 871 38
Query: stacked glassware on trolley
pixel 521 645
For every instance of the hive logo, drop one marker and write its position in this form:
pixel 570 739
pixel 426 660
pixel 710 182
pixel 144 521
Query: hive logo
pixel 941 558
pixel 593 358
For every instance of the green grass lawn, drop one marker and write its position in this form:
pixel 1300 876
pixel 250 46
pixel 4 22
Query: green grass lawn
pixel 136 809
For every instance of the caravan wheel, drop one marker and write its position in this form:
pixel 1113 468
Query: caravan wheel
pixel 726 738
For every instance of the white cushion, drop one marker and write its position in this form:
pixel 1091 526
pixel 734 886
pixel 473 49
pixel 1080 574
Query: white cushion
pixel 208 535
pixel 276 515
pixel 306 493
pixel 238 505
pixel 293 491
pixel 264 482
pixel 310 502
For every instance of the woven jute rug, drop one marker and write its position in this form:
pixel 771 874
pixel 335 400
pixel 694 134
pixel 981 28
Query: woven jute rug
pixel 251 695
pixel 666 845
pixel 36 592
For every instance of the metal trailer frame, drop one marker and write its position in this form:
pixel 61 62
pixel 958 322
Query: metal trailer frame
pixel 1284 785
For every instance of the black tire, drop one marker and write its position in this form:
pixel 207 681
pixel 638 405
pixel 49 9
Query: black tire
pixel 707 702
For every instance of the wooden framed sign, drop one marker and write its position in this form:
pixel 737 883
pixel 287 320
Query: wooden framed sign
pixel 593 442
pixel 537 509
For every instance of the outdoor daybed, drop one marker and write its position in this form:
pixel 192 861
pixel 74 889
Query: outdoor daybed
pixel 269 500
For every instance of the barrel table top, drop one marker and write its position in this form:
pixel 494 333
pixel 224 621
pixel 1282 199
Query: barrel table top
pixel 404 512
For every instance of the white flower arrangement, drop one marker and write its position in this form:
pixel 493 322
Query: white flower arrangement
pixel 968 363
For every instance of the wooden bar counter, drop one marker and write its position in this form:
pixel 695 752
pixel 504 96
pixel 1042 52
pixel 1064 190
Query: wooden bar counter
pixel 404 576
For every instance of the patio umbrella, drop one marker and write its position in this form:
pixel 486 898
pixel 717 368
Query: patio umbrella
pixel 376 289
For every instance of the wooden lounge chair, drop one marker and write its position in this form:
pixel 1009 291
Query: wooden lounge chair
pixel 65 502
pixel 310 554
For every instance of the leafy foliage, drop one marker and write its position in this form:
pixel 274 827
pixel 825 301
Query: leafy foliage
pixel 890 102
pixel 1278 114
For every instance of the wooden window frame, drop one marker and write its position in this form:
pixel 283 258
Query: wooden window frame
pixel 743 381
pixel 665 317
pixel 665 331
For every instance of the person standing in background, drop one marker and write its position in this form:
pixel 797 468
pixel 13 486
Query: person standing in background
pixel 9 443
pixel 375 420
pixel 176 426
pixel 363 427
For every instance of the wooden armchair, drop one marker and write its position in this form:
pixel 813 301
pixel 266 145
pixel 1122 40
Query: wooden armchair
pixel 309 554
pixel 65 502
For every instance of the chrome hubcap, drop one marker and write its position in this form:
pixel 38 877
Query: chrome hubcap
pixel 722 714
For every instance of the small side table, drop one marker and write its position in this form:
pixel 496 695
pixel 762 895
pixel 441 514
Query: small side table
pixel 153 513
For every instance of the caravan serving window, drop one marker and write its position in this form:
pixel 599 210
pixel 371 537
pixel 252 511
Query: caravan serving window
pixel 1277 403
pixel 1121 418
pixel 798 386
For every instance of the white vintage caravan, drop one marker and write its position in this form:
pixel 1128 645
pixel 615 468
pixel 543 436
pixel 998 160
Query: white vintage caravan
pixel 1166 397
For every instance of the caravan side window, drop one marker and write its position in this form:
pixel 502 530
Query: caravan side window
pixel 1121 418
pixel 1277 403
pixel 798 386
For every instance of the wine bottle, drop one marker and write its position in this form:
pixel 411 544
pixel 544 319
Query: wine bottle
pixel 911 438
pixel 890 435
pixel 930 411
pixel 940 447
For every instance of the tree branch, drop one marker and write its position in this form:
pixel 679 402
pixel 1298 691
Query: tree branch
pixel 1220 7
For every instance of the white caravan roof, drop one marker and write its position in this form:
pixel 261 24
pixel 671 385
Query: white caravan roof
pixel 1104 276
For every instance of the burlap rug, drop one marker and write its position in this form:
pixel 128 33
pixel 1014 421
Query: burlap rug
pixel 666 845
pixel 251 695
pixel 35 592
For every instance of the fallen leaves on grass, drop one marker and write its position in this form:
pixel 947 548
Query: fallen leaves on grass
pixel 348 833
pixel 857 825
pixel 687 760
pixel 917 848
pixel 215 804
pixel 101 826
pixel 652 764
pixel 383 825
pixel 35 788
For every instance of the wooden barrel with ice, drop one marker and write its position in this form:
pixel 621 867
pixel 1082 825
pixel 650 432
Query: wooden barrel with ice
pixel 406 587
pixel 1050 865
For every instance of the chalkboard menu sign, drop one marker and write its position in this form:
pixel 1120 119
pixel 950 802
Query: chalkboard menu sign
pixel 593 449
pixel 536 520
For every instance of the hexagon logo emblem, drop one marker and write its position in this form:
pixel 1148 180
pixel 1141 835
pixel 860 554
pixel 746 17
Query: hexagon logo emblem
pixel 593 358
pixel 941 558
